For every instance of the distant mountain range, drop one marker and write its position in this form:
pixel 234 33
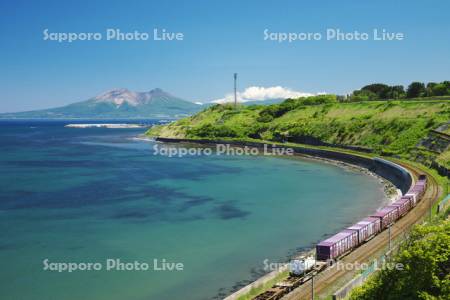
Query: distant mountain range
pixel 119 103
pixel 123 103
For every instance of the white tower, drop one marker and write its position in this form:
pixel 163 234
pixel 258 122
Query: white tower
pixel 235 96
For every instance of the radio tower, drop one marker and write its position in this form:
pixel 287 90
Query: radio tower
pixel 235 97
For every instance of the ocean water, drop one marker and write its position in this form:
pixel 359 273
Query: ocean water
pixel 88 195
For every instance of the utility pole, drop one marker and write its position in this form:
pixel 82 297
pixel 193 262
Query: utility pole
pixel 390 237
pixel 235 96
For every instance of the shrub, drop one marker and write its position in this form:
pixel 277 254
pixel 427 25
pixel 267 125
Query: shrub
pixel 277 110
pixel 363 95
pixel 212 131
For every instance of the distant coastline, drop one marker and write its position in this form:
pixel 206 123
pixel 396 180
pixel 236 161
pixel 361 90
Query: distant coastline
pixel 106 125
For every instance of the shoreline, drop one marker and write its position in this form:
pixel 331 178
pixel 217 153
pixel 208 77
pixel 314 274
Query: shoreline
pixel 385 169
pixel 389 189
pixel 106 125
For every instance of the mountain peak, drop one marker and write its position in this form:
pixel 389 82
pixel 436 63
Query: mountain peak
pixel 119 90
pixel 121 96
pixel 157 90
pixel 121 103
pixel 118 97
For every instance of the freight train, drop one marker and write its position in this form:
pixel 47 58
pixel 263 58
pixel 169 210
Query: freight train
pixel 353 236
pixel 345 241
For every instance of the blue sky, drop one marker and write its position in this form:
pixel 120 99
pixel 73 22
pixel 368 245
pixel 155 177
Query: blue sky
pixel 220 37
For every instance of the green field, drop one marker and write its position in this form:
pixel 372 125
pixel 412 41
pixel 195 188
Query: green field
pixel 398 128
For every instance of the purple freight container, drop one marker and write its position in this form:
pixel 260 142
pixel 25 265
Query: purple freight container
pixel 417 190
pixel 337 245
pixel 412 198
pixel 404 205
pixel 366 228
pixel 387 215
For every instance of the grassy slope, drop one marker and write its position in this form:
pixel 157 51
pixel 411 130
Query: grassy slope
pixel 444 159
pixel 393 127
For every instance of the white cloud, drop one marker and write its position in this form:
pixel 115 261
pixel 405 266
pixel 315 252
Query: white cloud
pixel 258 93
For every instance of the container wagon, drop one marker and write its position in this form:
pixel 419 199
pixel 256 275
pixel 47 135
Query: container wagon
pixel 417 190
pixel 337 245
pixel 404 205
pixel 419 187
pixel 412 199
pixel 387 216
pixel 366 228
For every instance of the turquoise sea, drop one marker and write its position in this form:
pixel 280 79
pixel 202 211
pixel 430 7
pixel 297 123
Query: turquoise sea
pixel 87 195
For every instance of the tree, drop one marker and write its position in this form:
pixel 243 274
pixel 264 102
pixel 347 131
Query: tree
pixel 430 86
pixel 439 90
pixel 396 92
pixel 380 89
pixel 415 89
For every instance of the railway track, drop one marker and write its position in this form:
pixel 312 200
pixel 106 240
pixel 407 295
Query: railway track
pixel 332 276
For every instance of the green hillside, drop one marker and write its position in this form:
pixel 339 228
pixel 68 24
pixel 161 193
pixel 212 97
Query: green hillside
pixel 402 128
